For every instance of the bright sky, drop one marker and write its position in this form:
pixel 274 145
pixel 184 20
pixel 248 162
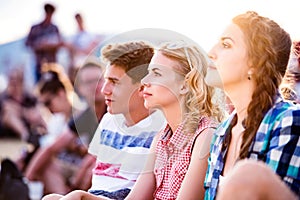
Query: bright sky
pixel 202 21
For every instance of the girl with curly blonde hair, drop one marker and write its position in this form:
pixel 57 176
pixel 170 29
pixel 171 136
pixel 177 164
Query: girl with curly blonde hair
pixel 175 84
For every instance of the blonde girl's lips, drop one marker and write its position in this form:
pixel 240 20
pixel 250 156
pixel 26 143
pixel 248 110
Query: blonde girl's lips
pixel 145 94
pixel 212 67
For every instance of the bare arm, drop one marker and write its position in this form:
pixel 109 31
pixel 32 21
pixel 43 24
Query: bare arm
pixel 145 184
pixel 44 155
pixel 192 186
pixel 12 118
pixel 82 195
pixel 83 177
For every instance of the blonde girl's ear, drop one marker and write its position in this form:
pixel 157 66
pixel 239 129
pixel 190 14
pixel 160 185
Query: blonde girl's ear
pixel 184 88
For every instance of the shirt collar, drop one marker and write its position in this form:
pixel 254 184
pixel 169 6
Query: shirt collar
pixel 278 98
pixel 223 127
pixel 221 130
pixel 177 139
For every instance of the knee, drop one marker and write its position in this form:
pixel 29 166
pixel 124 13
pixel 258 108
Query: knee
pixel 52 197
pixel 246 180
pixel 252 171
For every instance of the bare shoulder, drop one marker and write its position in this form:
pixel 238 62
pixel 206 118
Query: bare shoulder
pixel 203 141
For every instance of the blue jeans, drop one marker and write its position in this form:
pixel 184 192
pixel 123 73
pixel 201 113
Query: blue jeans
pixel 118 195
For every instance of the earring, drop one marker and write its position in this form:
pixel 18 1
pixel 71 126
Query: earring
pixel 249 77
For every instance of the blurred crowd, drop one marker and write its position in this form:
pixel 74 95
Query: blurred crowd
pixel 51 114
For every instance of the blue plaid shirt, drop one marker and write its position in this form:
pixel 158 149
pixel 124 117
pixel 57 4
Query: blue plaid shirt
pixel 276 143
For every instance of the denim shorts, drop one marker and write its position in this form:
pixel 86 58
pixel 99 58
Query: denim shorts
pixel 118 195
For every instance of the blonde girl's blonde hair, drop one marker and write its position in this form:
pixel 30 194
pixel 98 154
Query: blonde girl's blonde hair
pixel 192 65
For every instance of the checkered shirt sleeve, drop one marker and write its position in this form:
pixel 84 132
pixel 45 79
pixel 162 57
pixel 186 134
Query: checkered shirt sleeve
pixel 276 143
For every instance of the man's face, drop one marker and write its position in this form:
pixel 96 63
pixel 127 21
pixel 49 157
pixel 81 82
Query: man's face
pixel 119 91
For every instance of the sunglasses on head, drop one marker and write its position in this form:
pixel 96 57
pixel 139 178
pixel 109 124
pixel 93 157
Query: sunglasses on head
pixel 181 44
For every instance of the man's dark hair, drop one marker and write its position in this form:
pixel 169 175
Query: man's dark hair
pixel 49 8
pixel 134 57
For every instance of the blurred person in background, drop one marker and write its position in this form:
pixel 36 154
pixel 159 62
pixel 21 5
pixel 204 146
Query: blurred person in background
pixel 80 46
pixel 56 93
pixel 290 87
pixel 89 82
pixel 20 116
pixel 44 39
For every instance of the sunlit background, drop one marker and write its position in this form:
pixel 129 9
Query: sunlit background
pixel 201 21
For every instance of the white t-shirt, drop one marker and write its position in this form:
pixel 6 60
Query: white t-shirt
pixel 55 126
pixel 82 42
pixel 122 151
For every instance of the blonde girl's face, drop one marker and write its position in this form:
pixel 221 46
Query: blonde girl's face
pixel 162 84
pixel 229 60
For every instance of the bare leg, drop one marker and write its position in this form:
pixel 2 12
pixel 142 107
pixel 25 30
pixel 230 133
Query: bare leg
pixel 253 180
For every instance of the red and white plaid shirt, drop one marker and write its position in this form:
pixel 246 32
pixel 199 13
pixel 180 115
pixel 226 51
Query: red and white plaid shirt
pixel 173 155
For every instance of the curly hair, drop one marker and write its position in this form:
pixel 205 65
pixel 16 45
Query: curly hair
pixel 296 50
pixel 134 57
pixel 268 47
pixel 193 63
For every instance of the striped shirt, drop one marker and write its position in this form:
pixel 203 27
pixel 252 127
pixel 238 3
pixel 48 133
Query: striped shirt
pixel 276 143
pixel 122 151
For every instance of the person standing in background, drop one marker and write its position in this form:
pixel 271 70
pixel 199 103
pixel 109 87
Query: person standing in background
pixel 80 46
pixel 44 39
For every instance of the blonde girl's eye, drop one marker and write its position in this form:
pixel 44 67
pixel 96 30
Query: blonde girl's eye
pixel 226 45
pixel 156 73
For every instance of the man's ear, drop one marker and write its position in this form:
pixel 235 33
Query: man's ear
pixel 183 88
